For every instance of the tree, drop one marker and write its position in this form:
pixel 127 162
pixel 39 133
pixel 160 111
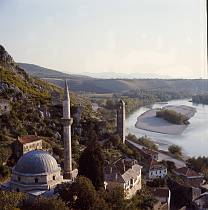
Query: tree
pixel 44 203
pixel 91 162
pixel 115 199
pixel 115 139
pixel 175 149
pixel 81 195
pixel 142 200
pixel 4 172
pixel 11 200
pixel 5 153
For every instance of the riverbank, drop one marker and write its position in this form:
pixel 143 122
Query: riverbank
pixel 149 122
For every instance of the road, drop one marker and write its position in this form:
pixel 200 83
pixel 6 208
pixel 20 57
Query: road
pixel 162 156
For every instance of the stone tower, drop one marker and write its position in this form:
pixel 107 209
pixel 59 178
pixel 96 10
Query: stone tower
pixel 67 122
pixel 121 120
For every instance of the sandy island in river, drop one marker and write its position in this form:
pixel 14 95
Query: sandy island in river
pixel 148 120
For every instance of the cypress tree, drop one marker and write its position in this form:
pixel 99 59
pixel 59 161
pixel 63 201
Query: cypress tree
pixel 91 162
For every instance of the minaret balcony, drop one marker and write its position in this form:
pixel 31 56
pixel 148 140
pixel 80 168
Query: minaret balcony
pixel 67 122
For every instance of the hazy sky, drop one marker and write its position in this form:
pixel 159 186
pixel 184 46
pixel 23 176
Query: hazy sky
pixel 165 37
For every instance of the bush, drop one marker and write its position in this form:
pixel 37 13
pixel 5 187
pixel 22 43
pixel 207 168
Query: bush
pixel 147 142
pixel 172 116
pixel 4 172
pixel 175 149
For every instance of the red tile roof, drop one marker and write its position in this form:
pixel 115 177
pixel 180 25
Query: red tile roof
pixel 185 171
pixel 153 164
pixel 28 139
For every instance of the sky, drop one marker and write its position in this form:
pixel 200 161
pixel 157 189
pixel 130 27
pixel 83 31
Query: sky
pixel 162 37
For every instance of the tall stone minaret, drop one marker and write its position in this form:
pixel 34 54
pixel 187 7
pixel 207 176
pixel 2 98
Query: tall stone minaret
pixel 67 122
pixel 121 112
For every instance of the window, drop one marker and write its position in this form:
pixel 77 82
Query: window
pixel 17 189
pixel 19 179
pixel 36 180
pixel 54 177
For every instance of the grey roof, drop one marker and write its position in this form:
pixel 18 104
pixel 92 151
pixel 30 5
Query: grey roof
pixel 118 173
pixel 36 162
pixel 132 173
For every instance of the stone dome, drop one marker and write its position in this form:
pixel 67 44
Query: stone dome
pixel 36 162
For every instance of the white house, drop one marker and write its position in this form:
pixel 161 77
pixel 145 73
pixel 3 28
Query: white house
pixel 125 173
pixel 157 170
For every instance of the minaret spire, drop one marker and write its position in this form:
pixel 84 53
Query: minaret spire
pixel 67 122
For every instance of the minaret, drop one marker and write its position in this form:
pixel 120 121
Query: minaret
pixel 121 120
pixel 67 122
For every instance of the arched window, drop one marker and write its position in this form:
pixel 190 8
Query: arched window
pixel 54 177
pixel 36 180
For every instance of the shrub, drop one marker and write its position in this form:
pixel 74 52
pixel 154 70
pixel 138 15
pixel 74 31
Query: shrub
pixel 175 149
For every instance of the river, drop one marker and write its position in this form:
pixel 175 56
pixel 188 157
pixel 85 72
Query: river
pixel 194 140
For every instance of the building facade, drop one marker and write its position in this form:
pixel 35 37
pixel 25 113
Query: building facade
pixel 192 177
pixel 125 173
pixel 27 143
pixel 157 170
pixel 35 170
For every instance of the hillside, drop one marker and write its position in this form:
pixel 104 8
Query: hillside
pixel 16 82
pixel 42 72
pixel 30 101
pixel 93 85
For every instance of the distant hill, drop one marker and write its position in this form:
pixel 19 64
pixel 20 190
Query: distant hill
pixel 94 85
pixel 43 72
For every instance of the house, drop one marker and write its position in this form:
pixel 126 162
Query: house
pixel 163 195
pixel 156 170
pixel 125 173
pixel 4 106
pixel 27 143
pixel 190 176
pixel 201 202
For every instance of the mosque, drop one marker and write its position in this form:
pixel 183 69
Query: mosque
pixel 37 172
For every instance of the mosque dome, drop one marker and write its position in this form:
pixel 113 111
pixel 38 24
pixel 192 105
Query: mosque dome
pixel 36 162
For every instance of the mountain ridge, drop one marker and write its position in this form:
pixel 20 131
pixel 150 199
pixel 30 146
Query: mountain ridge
pixel 79 83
